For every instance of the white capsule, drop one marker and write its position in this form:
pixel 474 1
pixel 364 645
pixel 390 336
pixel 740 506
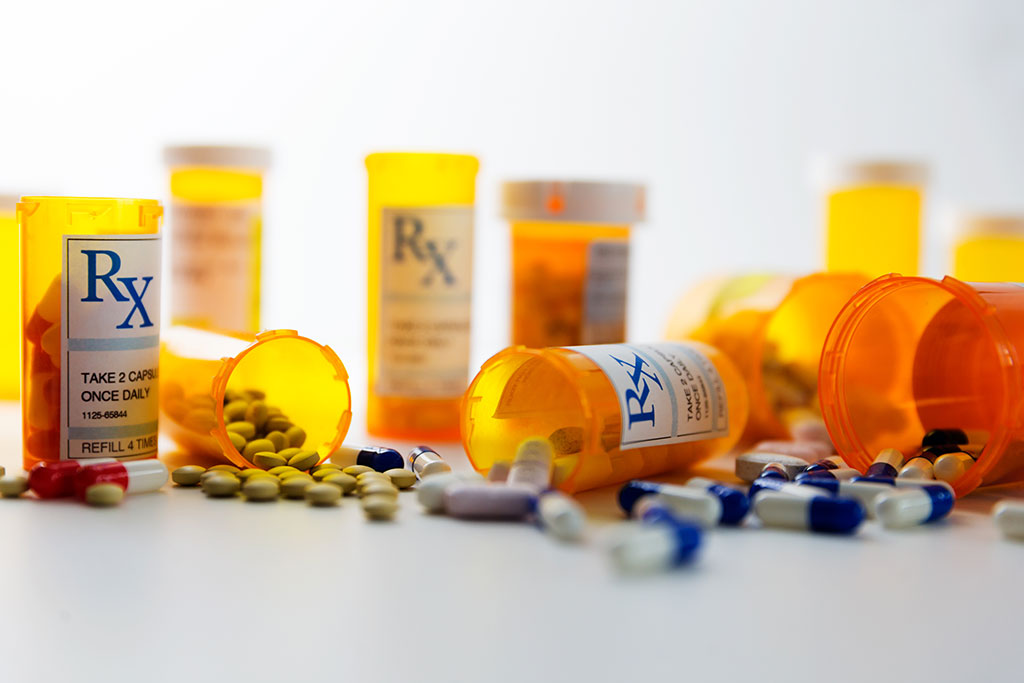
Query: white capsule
pixel 1009 519
pixel 951 466
pixel 430 491
pixel 532 464
pixel 691 504
pixel 561 516
pixel 917 468
pixel 426 462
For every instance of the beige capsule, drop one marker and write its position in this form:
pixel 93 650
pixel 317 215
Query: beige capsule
pixel 281 469
pixel 346 482
pixel 356 470
pixel 379 507
pixel 296 436
pixel 257 446
pixel 279 440
pixel 277 423
pixel 323 494
pixel 303 460
pixel 235 410
pixel 267 459
pixel 13 485
pixel 402 478
pixel 259 489
pixel 246 429
pixel 224 468
pixel 378 488
pixel 187 475
pixel 256 413
pixel 237 440
pixel 104 495
pixel 221 485
pixel 295 487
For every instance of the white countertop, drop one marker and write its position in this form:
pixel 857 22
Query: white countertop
pixel 173 586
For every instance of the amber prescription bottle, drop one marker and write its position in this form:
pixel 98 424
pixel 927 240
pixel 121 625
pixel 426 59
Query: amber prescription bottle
pixel 908 354
pixel 612 412
pixel 90 302
pixel 570 259
pixel 773 327
pixel 420 288
pixel 205 370
pixel 216 233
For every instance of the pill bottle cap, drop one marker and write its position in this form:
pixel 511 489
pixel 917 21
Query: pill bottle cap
pixel 573 201
pixel 219 156
pixel 859 172
pixel 992 224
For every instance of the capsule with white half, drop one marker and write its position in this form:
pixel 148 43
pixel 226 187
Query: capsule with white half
pixel 1009 518
pixel 911 506
pixel 561 516
pixel 430 491
pixel 532 464
pixel 864 492
pixel 662 541
pixel 693 505
pixel 917 468
pixel 815 513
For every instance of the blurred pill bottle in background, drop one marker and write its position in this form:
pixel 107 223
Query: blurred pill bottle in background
pixel 215 235
pixel 10 301
pixel 420 285
pixel 873 216
pixel 570 259
pixel 612 412
pixel 90 299
pixel 773 328
pixel 989 247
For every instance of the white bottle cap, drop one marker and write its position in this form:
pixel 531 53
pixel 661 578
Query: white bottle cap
pixel 573 201
pixel 217 156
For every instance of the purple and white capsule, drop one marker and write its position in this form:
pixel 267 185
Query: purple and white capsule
pixel 532 464
pixel 886 464
pixel 489 501
pixel 661 542
pixel 912 506
pixel 818 513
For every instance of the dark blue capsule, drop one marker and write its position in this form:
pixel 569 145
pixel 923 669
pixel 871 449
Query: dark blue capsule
pixel 881 469
pixel 380 459
pixel 945 437
pixel 835 515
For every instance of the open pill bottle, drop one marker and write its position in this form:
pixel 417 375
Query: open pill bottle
pixel 212 380
pixel 10 301
pixel 773 328
pixel 612 412
pixel 215 235
pixel 989 248
pixel 90 302
pixel 420 268
pixel 873 217
pixel 908 355
pixel 570 259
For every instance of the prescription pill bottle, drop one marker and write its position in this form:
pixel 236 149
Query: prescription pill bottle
pixel 90 302
pixel 570 259
pixel 215 235
pixel 296 378
pixel 612 412
pixel 10 301
pixel 772 327
pixel 989 248
pixel 873 217
pixel 909 354
pixel 420 292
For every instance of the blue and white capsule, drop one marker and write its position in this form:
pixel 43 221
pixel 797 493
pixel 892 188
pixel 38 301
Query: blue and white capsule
pixel 561 516
pixel 833 462
pixel 691 500
pixel 911 506
pixel 837 474
pixel 823 514
pixel 769 484
pixel 735 503
pixel 886 464
pixel 864 492
pixel 661 542
pixel 375 457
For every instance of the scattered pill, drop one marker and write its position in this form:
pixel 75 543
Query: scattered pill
pixel 322 495
pixel 532 464
pixel 295 487
pixel 281 469
pixel 430 491
pixel 774 470
pixel 1009 518
pixel 912 506
pixel 224 468
pixel 770 484
pixel 57 479
pixel 326 466
pixel 187 475
pixel 817 513
pixel 840 473
pixel 267 460
pixel 296 436
pixel 234 411
pixel 257 446
pixel 250 472
pixel 917 468
pixel 261 489
pixel 694 505
pixel 277 423
pixel 561 516
pixel 952 466
pixel 944 437
pixel 237 440
pixel 372 457
pixel 661 542
pixel 303 460
pixel 886 464
pixel 735 503
pixel 378 488
pixel 346 482
pixel 246 429
pixel 401 478
pixel 13 485
pixel 749 465
pixel 832 462
pixel 356 470
pixel 864 492
pixel 279 440
pixel 425 462
pixel 134 476
pixel 221 486
pixel 256 414
pixel 498 471
pixel 103 495
pixel 705 503
pixel 489 501
pixel 379 507
pixel 932 453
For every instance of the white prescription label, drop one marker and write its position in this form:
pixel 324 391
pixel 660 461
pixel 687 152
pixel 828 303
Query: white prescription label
pixel 604 292
pixel 668 392
pixel 426 279
pixel 110 305
pixel 214 264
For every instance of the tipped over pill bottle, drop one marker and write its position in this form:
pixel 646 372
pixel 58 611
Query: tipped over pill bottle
pixel 570 259
pixel 873 217
pixel 612 412
pixel 10 301
pixel 230 396
pixel 215 235
pixel 989 248
pixel 420 292
pixel 908 355
pixel 90 302
pixel 773 327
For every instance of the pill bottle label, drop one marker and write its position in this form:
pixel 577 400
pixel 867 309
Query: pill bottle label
pixel 426 273
pixel 668 392
pixel 110 332
pixel 215 264
pixel 604 292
